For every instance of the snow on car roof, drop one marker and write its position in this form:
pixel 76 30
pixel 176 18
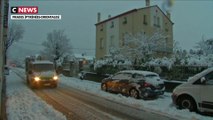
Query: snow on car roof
pixel 138 72
pixel 42 62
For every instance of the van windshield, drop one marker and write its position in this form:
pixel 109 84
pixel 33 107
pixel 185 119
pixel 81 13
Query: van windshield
pixel 43 67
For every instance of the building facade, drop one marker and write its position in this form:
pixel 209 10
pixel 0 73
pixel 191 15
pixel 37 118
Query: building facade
pixel 147 20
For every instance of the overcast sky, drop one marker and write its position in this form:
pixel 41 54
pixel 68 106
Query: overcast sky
pixel 192 20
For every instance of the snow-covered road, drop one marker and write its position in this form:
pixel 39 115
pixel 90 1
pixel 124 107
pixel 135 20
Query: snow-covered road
pixel 83 105
pixel 24 104
pixel 163 105
pixel 80 105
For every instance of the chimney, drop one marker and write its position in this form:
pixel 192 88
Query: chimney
pixel 99 17
pixel 147 3
pixel 168 14
pixel 109 16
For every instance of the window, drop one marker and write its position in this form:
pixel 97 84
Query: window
pixel 209 82
pixel 101 43
pixel 158 22
pixel 166 27
pixel 125 20
pixel 123 39
pixel 112 25
pixel 155 21
pixel 209 79
pixel 123 76
pixel 144 20
pixel 112 41
pixel 102 28
pixel 138 76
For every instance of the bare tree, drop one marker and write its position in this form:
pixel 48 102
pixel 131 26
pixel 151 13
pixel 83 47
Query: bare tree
pixel 15 33
pixel 57 45
pixel 206 46
pixel 176 47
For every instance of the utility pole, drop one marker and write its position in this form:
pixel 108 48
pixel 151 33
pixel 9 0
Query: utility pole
pixel 4 5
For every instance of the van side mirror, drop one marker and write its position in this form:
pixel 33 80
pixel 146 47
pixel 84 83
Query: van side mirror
pixel 6 71
pixel 30 72
pixel 203 80
pixel 110 76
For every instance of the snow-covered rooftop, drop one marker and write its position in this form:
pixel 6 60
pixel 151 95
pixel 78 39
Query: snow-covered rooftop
pixel 42 62
pixel 80 56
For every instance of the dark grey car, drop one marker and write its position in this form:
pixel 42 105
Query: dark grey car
pixel 134 83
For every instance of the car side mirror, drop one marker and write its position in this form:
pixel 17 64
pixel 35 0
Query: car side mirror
pixel 203 80
pixel 110 76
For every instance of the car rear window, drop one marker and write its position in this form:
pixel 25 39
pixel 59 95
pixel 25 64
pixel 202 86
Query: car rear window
pixel 151 75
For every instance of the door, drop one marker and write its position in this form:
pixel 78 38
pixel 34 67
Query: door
pixel 119 81
pixel 123 86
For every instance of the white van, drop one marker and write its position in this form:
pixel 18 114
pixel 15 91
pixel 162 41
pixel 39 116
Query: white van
pixel 197 93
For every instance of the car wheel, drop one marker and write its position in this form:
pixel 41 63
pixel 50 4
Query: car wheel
pixel 134 93
pixel 104 86
pixel 144 95
pixel 82 77
pixel 187 103
pixel 32 85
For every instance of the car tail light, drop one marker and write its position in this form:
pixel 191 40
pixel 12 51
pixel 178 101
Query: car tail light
pixel 146 84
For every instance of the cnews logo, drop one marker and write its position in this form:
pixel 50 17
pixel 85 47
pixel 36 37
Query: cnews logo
pixel 24 10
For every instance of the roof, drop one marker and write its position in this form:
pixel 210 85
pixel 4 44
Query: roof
pixel 131 11
pixel 138 72
pixel 80 56
pixel 128 12
pixel 42 62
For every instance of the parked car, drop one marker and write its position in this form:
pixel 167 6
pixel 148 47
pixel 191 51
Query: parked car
pixel 134 83
pixel 196 93
pixel 84 75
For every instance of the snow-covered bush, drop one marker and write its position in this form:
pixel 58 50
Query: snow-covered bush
pixel 200 60
pixel 111 65
pixel 168 62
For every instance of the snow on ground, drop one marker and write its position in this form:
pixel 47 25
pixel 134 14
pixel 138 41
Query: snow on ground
pixel 21 98
pixel 23 104
pixel 162 105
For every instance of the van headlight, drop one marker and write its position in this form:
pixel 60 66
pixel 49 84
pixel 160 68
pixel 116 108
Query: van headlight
pixel 36 79
pixel 55 78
